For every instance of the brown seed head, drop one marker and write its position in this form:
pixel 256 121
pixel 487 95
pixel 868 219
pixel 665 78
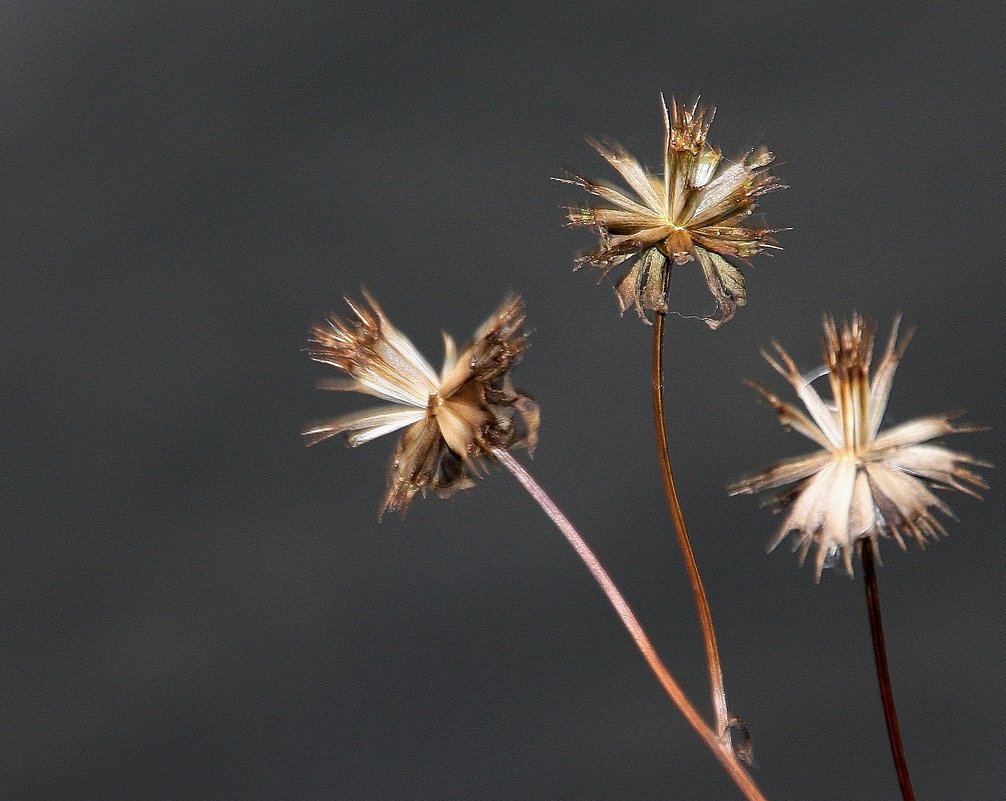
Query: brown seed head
pixel 864 483
pixel 451 419
pixel 693 212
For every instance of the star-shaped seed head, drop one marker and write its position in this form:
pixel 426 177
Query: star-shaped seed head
pixel 694 211
pixel 863 483
pixel 452 419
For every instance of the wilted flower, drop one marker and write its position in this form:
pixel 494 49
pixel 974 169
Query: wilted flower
pixel 453 418
pixel 864 483
pixel 693 212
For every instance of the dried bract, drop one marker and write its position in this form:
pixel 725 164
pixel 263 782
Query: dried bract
pixel 451 419
pixel 864 483
pixel 694 212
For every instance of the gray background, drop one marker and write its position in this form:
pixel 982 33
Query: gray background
pixel 196 607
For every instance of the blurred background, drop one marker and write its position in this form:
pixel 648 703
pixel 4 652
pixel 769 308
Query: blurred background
pixel 195 606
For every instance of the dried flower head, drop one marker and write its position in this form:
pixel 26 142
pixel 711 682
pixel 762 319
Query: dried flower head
pixel 454 418
pixel 864 483
pixel 694 212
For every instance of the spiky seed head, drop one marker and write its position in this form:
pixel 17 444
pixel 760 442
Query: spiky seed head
pixel 452 419
pixel 693 212
pixel 863 484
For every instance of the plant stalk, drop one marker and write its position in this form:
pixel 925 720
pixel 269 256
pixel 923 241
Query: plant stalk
pixel 719 695
pixel 723 751
pixel 883 673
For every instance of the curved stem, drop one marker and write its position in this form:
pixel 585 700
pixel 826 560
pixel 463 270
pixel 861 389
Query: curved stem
pixel 724 753
pixel 701 602
pixel 883 674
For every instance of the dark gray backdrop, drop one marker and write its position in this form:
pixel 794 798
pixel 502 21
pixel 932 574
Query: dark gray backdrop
pixel 196 607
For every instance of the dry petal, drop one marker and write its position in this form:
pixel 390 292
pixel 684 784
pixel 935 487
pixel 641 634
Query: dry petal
pixel 451 419
pixel 863 484
pixel 693 212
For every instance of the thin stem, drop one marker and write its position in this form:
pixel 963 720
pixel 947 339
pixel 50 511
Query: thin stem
pixel 883 673
pixel 724 753
pixel 701 602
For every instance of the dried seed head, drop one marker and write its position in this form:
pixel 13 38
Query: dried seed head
pixel 451 419
pixel 693 212
pixel 864 483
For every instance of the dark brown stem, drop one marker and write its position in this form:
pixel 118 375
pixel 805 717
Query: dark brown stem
pixel 723 751
pixel 701 602
pixel 883 674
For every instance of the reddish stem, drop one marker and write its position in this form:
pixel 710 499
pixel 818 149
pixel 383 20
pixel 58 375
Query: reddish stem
pixel 883 673
pixel 723 751
pixel 701 601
